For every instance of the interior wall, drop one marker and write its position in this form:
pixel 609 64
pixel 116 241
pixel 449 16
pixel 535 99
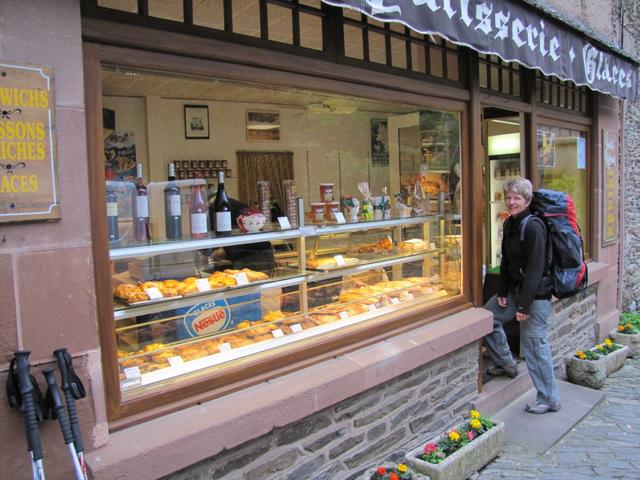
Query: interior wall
pixel 327 147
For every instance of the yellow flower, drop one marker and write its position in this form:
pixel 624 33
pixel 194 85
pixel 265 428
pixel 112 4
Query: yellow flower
pixel 628 325
pixel 402 468
pixel 620 328
pixel 475 423
pixel 581 355
pixel 453 435
pixel 474 414
pixel 608 342
pixel 600 346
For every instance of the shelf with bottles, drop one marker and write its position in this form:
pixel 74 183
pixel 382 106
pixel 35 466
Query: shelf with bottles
pixel 206 169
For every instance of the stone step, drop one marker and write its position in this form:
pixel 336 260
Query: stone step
pixel 501 391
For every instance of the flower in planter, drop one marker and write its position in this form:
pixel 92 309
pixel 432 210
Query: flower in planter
pixel 628 328
pixel 630 317
pixel 456 438
pixel 399 472
pixel 588 355
pixel 607 347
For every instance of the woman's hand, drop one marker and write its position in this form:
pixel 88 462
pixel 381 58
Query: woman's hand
pixel 521 316
pixel 502 301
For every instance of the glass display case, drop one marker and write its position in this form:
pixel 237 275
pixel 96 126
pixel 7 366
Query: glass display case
pixel 184 307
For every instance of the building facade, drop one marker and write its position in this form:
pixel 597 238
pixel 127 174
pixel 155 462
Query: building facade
pixel 296 370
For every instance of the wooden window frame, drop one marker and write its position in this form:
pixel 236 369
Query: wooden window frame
pixel 346 81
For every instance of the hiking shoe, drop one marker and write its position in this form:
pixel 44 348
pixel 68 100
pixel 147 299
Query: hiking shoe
pixel 540 407
pixel 510 371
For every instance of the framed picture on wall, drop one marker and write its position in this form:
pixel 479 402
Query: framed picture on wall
pixel 379 142
pixel 196 121
pixel 263 126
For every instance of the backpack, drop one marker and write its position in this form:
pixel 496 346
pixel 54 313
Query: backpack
pixel 565 255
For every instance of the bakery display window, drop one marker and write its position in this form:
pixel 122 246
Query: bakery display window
pixel 250 225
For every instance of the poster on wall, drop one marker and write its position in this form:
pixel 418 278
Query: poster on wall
pixel 610 155
pixel 263 126
pixel 120 156
pixel 379 142
pixel 28 169
pixel 546 149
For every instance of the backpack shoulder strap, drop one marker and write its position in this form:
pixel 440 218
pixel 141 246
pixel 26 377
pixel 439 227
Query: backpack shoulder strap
pixel 525 221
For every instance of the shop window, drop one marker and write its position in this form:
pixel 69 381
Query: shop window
pixel 499 76
pixel 561 93
pixel 130 6
pixel 280 24
pixel 396 46
pixel 166 9
pixel 380 185
pixel 310 31
pixel 562 165
pixel 209 13
pixel 246 17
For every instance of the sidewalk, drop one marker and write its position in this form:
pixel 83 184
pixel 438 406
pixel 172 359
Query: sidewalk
pixel 604 445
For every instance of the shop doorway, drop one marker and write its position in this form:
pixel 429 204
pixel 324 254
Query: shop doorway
pixel 503 140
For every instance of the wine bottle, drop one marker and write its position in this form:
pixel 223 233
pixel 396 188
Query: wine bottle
pixel 141 209
pixel 112 214
pixel 172 207
pixel 221 208
pixel 198 210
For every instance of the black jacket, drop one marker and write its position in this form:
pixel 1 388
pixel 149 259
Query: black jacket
pixel 523 269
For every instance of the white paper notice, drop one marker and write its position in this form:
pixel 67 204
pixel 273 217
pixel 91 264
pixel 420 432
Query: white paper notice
pixel 395 300
pixel 242 279
pixel 409 296
pixel 154 293
pixel 277 333
pixel 284 223
pixel 432 246
pixel 372 308
pixel 132 372
pixel 296 327
pixel 177 360
pixel 224 347
pixel 339 217
pixel 340 260
pixel 344 315
pixel 203 285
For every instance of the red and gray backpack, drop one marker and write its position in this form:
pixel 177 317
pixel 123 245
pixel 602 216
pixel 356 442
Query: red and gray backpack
pixel 565 255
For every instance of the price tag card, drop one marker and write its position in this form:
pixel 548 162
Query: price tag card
pixel 224 347
pixel 154 293
pixel 177 360
pixel 340 260
pixel 339 217
pixel 277 333
pixel 307 230
pixel 296 327
pixel 344 315
pixel 132 372
pixel 203 285
pixel 284 223
pixel 429 290
pixel 242 279
pixel 395 301
pixel 409 296
pixel 372 308
pixel 432 246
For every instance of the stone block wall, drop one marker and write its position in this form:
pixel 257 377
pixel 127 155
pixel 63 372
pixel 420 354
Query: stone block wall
pixel 573 326
pixel 342 441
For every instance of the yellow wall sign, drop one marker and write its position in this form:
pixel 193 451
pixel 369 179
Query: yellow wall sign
pixel 610 156
pixel 28 183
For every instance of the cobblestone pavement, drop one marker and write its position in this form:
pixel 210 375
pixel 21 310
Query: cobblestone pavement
pixel 603 445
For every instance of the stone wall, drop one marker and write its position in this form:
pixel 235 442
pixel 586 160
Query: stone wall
pixel 342 441
pixel 573 326
pixel 631 178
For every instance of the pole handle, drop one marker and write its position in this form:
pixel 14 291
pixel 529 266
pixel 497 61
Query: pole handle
pixel 58 407
pixel 28 404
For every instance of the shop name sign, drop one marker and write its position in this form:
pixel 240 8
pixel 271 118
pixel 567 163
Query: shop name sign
pixel 28 189
pixel 515 33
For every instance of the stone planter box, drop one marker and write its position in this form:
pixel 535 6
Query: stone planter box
pixel 629 340
pixel 367 475
pixel 588 373
pixel 615 360
pixel 463 463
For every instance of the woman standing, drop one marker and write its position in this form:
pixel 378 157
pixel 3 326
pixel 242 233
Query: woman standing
pixel 524 291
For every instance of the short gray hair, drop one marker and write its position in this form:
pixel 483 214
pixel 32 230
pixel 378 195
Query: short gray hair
pixel 521 186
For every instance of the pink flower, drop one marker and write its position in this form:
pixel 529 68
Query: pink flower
pixel 471 435
pixel 430 448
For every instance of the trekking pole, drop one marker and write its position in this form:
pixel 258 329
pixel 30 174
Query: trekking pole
pixel 73 390
pixel 54 403
pixel 28 407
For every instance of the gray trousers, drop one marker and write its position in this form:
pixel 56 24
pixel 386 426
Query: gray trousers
pixel 537 353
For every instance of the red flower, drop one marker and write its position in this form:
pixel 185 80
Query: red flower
pixel 429 448
pixel 381 470
pixel 471 435
pixel 393 476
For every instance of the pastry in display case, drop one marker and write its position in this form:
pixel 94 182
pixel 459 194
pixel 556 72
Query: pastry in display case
pixel 182 307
